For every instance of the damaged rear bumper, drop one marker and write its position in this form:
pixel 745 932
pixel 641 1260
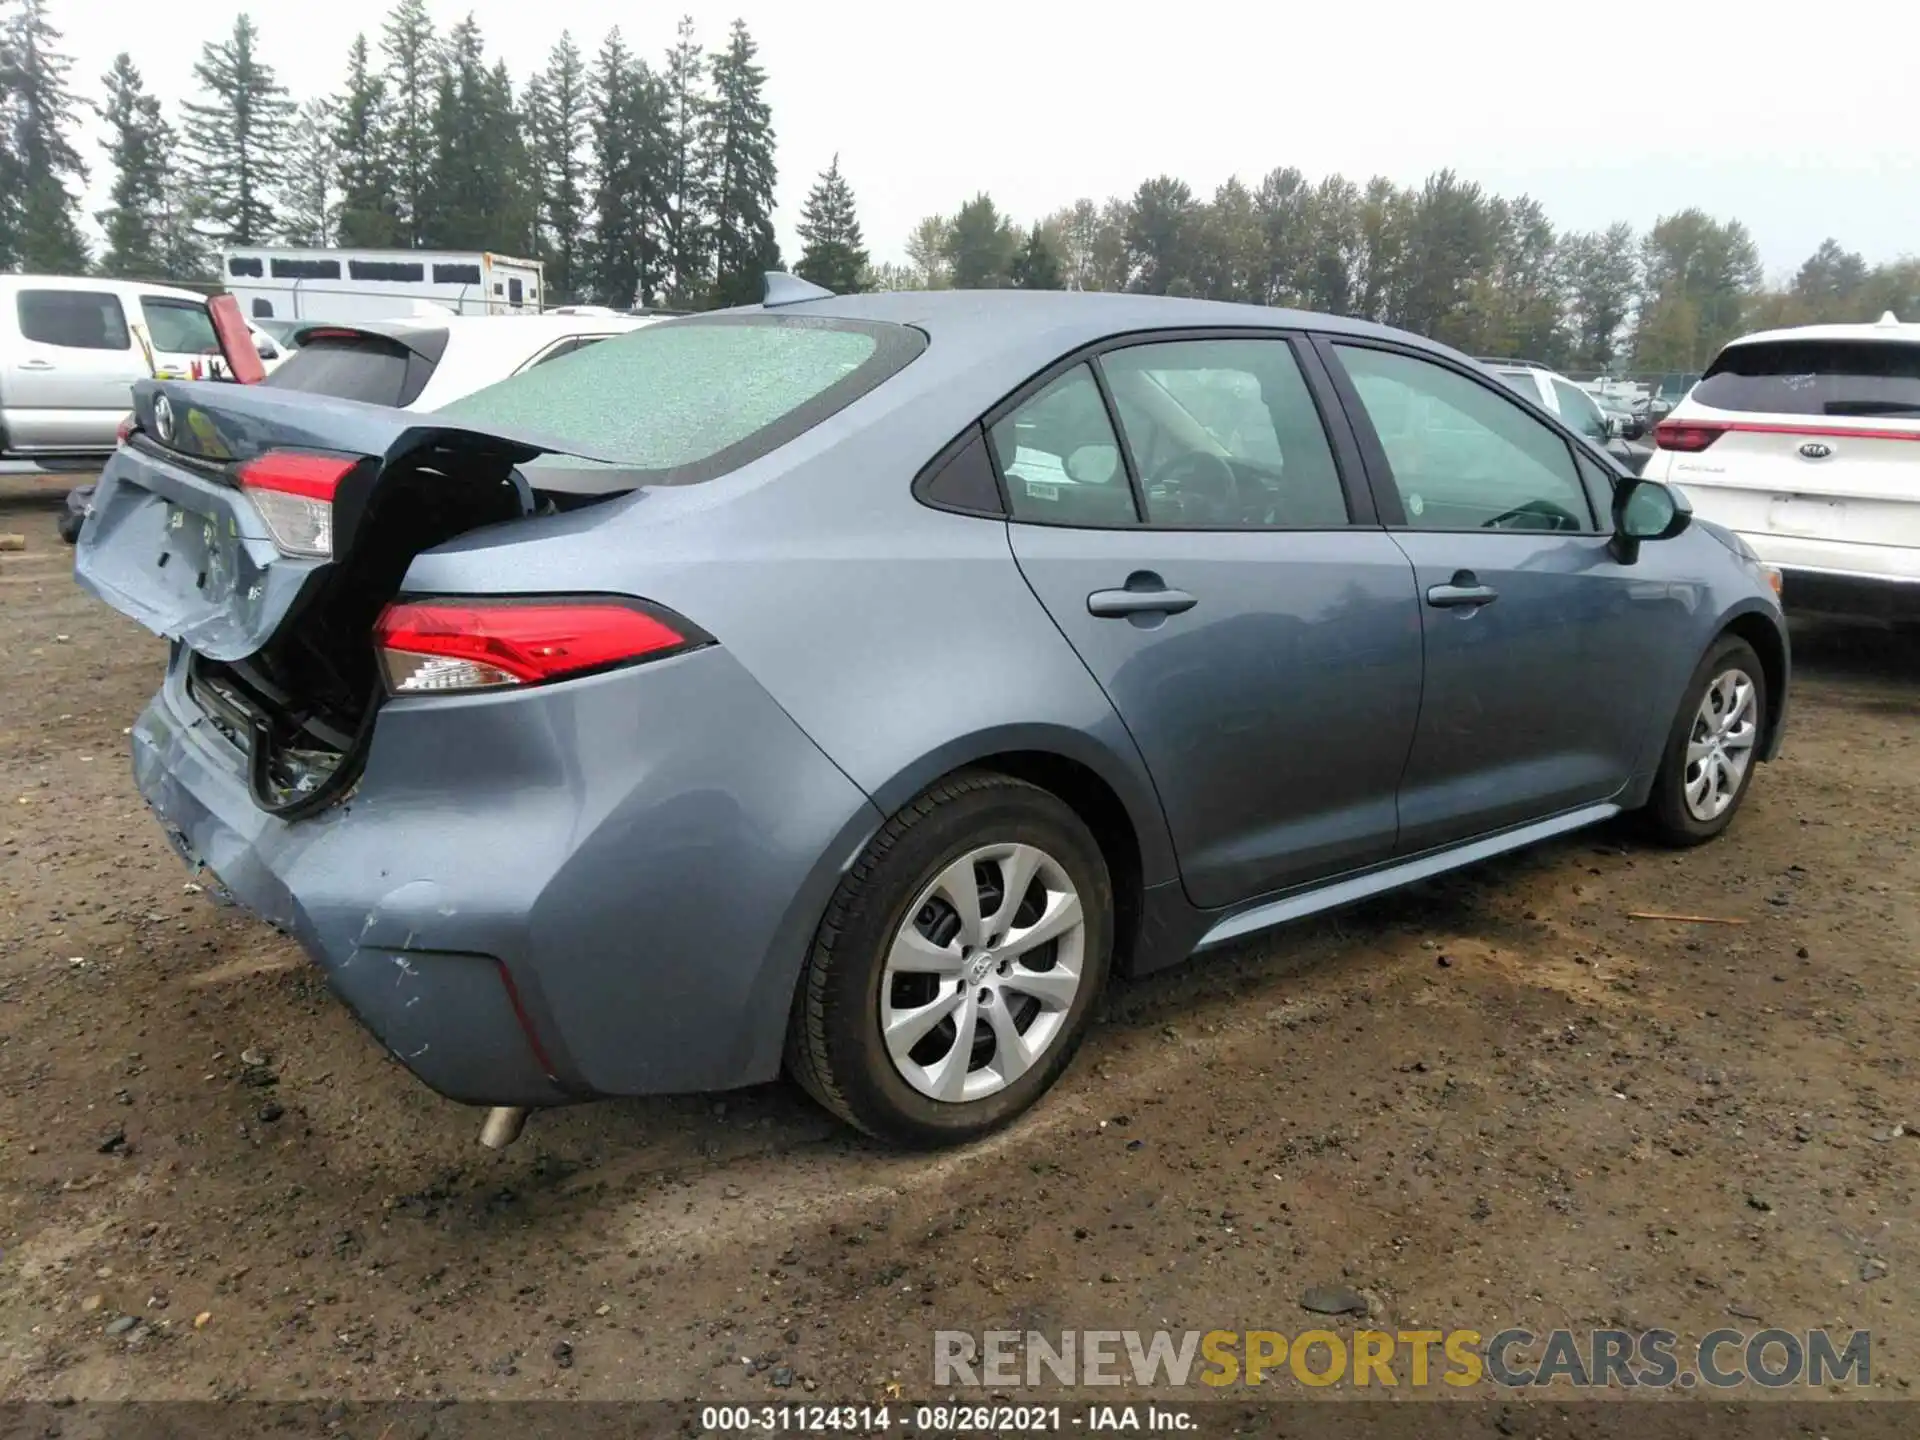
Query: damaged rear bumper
pixel 604 887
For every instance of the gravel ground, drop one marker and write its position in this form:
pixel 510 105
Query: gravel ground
pixel 1496 1100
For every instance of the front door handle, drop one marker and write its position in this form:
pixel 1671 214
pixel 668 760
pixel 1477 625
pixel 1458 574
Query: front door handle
pixel 36 365
pixel 1462 590
pixel 1145 594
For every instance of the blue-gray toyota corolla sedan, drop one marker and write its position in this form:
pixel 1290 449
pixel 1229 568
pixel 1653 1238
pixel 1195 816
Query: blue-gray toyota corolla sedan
pixel 855 684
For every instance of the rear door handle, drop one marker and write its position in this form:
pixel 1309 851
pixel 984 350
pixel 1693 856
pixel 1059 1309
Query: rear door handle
pixel 1463 590
pixel 36 365
pixel 1146 594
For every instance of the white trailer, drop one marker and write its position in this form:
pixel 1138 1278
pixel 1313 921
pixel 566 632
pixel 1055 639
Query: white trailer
pixel 276 283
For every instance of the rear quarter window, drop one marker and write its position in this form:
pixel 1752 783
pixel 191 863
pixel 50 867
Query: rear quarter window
pixel 688 400
pixel 1815 377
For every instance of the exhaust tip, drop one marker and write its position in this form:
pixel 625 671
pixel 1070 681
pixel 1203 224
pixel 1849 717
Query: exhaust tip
pixel 503 1126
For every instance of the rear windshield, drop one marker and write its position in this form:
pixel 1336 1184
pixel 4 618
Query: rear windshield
pixel 351 367
pixel 1815 377
pixel 690 399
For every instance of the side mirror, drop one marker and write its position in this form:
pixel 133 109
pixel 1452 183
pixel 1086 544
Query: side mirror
pixel 1646 510
pixel 1632 427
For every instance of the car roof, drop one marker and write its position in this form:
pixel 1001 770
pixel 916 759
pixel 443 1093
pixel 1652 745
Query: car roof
pixel 98 285
pixel 1885 328
pixel 992 318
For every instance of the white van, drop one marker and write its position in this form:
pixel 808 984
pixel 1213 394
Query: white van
pixel 69 357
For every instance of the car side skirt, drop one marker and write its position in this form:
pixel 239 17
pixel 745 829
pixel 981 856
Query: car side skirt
pixel 1167 941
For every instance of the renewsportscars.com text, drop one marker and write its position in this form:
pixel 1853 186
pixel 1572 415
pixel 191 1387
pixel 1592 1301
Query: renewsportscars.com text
pixel 1416 1359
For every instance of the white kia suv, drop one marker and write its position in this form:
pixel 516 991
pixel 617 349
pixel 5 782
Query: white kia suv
pixel 1806 442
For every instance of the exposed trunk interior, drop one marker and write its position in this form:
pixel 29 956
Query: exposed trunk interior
pixel 303 706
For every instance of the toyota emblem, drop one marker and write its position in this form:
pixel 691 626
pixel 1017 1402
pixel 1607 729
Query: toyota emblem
pixel 1816 450
pixel 163 419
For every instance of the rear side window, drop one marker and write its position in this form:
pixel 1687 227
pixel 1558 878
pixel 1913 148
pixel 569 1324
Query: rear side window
pixel 1815 377
pixel 179 327
pixel 73 319
pixel 1225 435
pixel 1061 458
pixel 350 366
pixel 691 399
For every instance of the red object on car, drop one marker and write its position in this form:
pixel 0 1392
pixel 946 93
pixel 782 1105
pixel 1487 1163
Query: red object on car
pixel 236 341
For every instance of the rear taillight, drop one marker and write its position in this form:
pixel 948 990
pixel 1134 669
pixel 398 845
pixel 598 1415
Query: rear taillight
pixel 128 425
pixel 293 491
pixel 1687 436
pixel 431 646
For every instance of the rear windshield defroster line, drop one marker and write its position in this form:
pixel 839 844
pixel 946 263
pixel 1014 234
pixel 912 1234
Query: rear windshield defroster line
pixel 688 400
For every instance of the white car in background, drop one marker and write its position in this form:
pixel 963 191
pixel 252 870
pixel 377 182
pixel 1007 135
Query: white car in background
pixel 1806 443
pixel 421 363
pixel 1578 411
pixel 69 355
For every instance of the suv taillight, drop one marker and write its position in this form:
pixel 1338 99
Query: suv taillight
pixel 437 646
pixel 293 491
pixel 1687 436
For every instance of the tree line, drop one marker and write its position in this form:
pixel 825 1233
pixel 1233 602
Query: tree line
pixel 634 181
pixel 1446 259
pixel 652 182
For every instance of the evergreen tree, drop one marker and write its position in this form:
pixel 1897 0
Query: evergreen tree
pixel 363 147
pixel 476 194
pixel 741 167
pixel 557 104
pixel 1161 236
pixel 627 169
pixel 9 164
pixel 310 203
pixel 686 169
pixel 1036 264
pixel 236 138
pixel 41 227
pixel 138 144
pixel 980 245
pixel 412 54
pixel 834 255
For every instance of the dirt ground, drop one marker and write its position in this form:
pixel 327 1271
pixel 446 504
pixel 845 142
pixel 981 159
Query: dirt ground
pixel 1497 1100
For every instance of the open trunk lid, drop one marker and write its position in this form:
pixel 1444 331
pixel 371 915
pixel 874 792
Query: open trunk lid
pixel 176 543
pixel 190 535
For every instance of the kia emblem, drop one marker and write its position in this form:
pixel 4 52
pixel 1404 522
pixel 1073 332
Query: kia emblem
pixel 163 418
pixel 1816 450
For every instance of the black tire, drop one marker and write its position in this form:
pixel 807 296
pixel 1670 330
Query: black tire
pixel 834 1045
pixel 1667 816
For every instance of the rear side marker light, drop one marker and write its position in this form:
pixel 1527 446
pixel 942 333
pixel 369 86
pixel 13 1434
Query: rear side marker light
pixel 440 646
pixel 1684 436
pixel 293 491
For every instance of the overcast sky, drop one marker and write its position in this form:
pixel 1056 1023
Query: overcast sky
pixel 1793 120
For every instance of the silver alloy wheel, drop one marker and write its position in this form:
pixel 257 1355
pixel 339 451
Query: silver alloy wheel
pixel 982 972
pixel 1720 745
